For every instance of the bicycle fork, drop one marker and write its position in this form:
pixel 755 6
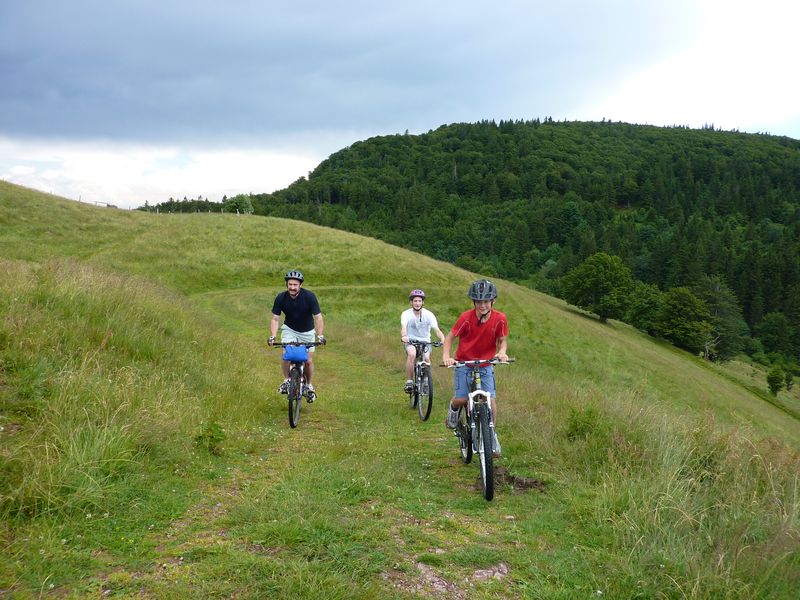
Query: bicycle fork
pixel 304 391
pixel 473 417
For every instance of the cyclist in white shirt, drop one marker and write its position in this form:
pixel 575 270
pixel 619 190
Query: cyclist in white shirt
pixel 415 325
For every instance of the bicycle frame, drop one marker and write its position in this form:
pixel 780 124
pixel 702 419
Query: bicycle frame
pixel 476 431
pixel 478 396
pixel 297 382
pixel 421 393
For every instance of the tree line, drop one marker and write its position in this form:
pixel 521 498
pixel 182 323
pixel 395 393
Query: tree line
pixel 236 204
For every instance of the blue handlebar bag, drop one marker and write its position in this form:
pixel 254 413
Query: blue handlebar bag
pixel 295 353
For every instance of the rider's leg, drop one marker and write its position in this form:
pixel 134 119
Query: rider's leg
pixel 488 383
pixel 285 368
pixel 309 369
pixel 411 357
pixel 452 413
pixel 460 393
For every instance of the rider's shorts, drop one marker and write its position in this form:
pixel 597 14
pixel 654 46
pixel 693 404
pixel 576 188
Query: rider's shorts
pixel 462 379
pixel 426 349
pixel 290 335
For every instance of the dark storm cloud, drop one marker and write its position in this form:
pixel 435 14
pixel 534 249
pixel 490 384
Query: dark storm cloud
pixel 205 71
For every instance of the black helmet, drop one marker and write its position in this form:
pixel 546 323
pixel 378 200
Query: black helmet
pixel 294 275
pixel 483 289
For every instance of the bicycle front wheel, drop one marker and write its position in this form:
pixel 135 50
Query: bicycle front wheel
pixel 485 456
pixel 295 397
pixel 425 401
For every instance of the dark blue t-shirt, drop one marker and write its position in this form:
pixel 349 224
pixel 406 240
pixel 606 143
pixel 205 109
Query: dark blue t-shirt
pixel 299 311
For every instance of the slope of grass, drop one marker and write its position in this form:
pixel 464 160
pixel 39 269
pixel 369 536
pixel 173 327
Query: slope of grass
pixel 145 453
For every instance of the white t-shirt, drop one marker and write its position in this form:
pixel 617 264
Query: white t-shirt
pixel 418 327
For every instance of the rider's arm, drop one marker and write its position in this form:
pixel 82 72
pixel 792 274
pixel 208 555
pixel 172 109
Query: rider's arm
pixel 439 334
pixel 273 326
pixel 404 326
pixel 502 348
pixel 448 343
pixel 319 324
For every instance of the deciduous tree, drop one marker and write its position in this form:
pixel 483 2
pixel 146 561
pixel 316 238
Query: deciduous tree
pixel 600 284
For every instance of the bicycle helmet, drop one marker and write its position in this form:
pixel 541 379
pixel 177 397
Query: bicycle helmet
pixel 416 293
pixel 294 275
pixel 483 289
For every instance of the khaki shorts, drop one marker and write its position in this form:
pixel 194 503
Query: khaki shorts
pixel 290 335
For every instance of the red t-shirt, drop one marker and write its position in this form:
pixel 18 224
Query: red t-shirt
pixel 478 341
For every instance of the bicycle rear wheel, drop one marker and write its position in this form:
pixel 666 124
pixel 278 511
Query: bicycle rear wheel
pixel 464 433
pixel 425 401
pixel 295 397
pixel 485 456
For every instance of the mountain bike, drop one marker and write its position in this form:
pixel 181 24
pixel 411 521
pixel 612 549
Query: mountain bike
pixel 421 393
pixel 475 425
pixel 297 355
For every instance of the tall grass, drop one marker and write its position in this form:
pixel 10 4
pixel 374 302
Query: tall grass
pixel 705 511
pixel 143 451
pixel 101 371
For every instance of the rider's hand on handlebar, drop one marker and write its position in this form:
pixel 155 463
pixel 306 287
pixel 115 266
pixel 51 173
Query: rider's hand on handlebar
pixel 448 362
pixel 404 339
pixel 270 340
pixel 321 339
pixel 501 357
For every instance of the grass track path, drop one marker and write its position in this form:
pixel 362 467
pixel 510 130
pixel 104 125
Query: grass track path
pixel 361 482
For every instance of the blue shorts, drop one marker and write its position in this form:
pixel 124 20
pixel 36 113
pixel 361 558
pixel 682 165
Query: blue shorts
pixel 462 380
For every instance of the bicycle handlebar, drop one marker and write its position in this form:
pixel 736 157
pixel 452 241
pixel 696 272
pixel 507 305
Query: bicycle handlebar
pixel 421 343
pixel 478 363
pixel 306 344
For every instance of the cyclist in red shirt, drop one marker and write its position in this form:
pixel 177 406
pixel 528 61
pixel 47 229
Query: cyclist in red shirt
pixel 482 334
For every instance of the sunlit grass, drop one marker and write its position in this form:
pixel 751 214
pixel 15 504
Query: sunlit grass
pixel 125 336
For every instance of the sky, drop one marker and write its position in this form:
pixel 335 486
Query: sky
pixel 131 101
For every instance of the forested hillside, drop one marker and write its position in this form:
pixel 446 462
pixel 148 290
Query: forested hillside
pixel 531 200
pixel 716 213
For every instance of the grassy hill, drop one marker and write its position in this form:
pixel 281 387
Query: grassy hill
pixel 145 453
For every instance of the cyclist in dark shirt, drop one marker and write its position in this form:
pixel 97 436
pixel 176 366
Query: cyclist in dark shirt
pixel 302 315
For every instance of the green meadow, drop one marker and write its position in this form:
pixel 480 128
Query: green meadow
pixel 145 452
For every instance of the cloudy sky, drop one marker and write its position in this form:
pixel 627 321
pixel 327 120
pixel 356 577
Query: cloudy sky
pixel 128 101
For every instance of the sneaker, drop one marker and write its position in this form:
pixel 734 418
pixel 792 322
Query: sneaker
pixel 495 444
pixel 310 393
pixel 409 386
pixel 452 419
pixel 284 387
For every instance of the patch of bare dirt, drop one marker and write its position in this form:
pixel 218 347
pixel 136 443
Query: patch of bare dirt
pixel 496 572
pixel 427 583
pixel 504 478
